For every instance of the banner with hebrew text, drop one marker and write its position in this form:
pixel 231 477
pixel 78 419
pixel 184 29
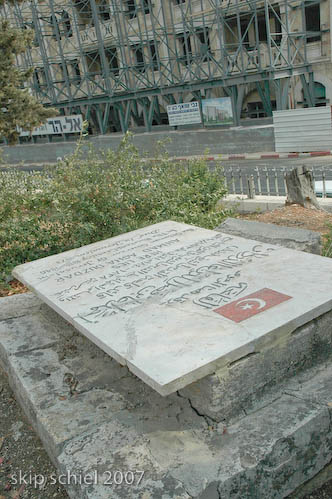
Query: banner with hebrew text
pixel 58 125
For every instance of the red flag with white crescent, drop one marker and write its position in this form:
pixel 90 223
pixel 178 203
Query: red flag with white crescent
pixel 247 306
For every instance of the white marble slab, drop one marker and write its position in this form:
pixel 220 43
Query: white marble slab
pixel 174 302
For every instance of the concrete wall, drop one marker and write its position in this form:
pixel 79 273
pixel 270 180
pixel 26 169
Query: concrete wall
pixel 183 143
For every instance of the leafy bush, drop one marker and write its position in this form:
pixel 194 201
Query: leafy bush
pixel 89 197
pixel 327 242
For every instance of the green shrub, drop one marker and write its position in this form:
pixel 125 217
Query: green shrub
pixel 327 243
pixel 89 197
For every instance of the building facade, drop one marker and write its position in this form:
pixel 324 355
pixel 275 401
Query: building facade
pixel 121 62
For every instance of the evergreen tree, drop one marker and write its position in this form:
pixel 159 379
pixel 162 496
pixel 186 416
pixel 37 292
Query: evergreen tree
pixel 18 108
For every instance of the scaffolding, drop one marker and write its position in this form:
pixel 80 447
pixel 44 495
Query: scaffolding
pixel 121 62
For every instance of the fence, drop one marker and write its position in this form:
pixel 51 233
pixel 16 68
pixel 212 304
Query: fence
pixel 272 181
pixel 301 130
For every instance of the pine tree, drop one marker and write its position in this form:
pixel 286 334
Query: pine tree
pixel 18 108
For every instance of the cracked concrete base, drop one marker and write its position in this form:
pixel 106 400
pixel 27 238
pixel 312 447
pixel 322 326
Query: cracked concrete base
pixel 94 415
pixel 252 381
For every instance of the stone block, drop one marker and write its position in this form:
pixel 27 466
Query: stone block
pixel 289 237
pixel 175 303
pixel 18 305
pixel 111 421
pixel 244 385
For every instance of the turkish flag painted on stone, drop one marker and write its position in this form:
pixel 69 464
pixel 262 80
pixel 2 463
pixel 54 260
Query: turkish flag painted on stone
pixel 247 306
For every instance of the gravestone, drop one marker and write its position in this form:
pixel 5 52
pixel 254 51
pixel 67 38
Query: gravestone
pixel 301 188
pixel 175 302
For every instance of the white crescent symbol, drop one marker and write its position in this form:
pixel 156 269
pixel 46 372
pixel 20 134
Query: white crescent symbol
pixel 260 302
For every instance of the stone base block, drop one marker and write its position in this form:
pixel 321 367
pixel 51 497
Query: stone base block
pixel 259 377
pixel 110 435
pixel 289 237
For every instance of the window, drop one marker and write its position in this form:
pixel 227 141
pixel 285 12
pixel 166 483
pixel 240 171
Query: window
pixel 131 8
pixel 138 58
pixel 134 6
pixel 39 79
pixel 320 96
pixel 61 25
pixel 55 26
pixel 203 43
pixel 74 73
pixel 84 13
pixel 146 6
pixel 232 35
pixel 146 56
pixel 184 47
pixel 245 38
pixel 59 73
pixel 154 56
pixel 104 10
pixel 312 20
pixel 262 33
pixel 93 63
pixel 35 40
pixel 112 57
pixel 277 30
pixel 66 24
pixel 256 109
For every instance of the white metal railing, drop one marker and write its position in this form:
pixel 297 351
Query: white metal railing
pixel 272 181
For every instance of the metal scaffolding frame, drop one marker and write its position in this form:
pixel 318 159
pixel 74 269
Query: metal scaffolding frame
pixel 121 62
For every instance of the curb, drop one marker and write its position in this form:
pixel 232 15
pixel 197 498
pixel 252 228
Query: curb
pixel 267 155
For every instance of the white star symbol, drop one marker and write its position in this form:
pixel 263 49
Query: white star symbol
pixel 246 306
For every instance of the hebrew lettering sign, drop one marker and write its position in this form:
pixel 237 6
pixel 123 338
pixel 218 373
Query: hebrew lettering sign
pixel 58 125
pixel 184 114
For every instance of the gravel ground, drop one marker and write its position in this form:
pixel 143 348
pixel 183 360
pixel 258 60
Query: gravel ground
pixel 22 450
pixel 324 492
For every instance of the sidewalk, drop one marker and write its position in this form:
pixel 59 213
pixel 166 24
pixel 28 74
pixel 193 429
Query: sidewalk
pixel 242 204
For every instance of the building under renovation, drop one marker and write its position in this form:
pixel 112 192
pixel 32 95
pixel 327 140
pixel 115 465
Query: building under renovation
pixel 120 63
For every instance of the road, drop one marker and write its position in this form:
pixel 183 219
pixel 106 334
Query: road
pixel 271 172
pixel 245 163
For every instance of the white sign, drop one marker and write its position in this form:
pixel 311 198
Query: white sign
pixel 186 113
pixel 60 124
pixel 174 302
